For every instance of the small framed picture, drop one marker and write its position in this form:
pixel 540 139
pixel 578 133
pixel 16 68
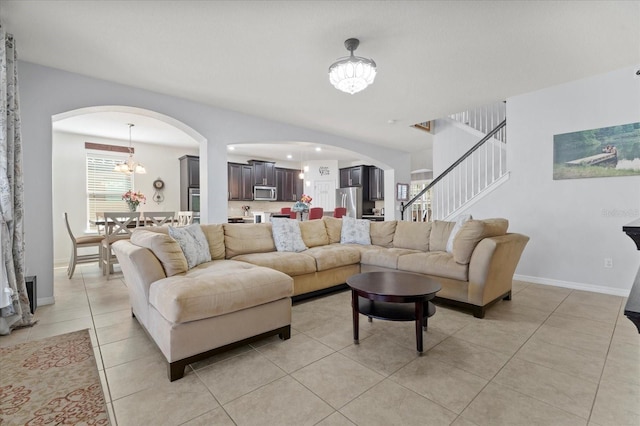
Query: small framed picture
pixel 402 192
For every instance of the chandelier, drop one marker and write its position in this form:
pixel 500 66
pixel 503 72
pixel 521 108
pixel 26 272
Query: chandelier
pixel 352 74
pixel 130 166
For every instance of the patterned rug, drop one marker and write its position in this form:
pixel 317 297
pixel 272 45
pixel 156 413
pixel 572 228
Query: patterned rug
pixel 52 381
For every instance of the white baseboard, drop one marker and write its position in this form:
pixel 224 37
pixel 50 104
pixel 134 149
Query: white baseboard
pixel 46 301
pixel 575 286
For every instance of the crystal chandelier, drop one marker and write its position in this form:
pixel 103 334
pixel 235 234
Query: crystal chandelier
pixel 130 166
pixel 352 74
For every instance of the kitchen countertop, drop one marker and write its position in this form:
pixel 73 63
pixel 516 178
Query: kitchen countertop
pixel 373 217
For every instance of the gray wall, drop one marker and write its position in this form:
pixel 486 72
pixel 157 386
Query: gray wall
pixel 45 92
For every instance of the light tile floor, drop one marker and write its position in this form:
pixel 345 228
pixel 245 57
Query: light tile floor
pixel 550 356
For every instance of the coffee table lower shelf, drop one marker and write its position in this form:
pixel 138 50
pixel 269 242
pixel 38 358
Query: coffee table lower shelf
pixel 392 311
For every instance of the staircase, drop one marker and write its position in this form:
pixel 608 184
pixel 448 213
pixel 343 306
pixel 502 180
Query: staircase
pixel 476 173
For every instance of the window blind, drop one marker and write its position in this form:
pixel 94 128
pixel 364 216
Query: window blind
pixel 105 186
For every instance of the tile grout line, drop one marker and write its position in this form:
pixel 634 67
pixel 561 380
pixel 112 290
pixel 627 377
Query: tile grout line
pixel 104 368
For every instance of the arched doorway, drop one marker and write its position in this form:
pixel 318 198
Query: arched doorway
pixel 83 135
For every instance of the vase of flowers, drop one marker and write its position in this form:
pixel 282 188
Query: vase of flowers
pixel 246 209
pixel 302 205
pixel 134 199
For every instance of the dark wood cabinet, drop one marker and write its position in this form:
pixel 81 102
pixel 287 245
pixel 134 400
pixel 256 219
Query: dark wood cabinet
pixel 190 171
pixel 288 184
pixel 376 184
pixel 189 178
pixel 353 176
pixel 240 179
pixel 264 173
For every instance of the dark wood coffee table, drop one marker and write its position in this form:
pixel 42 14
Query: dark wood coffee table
pixel 386 295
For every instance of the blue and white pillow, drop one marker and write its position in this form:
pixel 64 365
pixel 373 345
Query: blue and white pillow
pixel 355 231
pixel 287 235
pixel 193 243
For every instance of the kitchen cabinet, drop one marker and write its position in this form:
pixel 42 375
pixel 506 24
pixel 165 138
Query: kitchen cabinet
pixel 189 179
pixel 288 184
pixel 190 171
pixel 240 179
pixel 353 176
pixel 376 184
pixel 264 173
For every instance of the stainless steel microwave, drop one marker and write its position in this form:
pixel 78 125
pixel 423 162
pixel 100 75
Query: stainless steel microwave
pixel 265 193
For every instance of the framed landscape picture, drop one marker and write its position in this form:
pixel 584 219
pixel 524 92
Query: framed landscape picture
pixel 604 152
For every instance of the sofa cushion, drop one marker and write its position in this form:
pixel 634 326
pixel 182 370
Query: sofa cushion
pixel 193 243
pixel 355 231
pixel 243 238
pixel 434 263
pixel 165 248
pixel 213 291
pixel 286 235
pixel 382 233
pixel 385 258
pixel 334 228
pixel 290 263
pixel 472 232
pixel 215 238
pixel 460 220
pixel 412 235
pixel 314 233
pixel 440 231
pixel 333 256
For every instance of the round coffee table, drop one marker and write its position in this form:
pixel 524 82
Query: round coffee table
pixel 386 295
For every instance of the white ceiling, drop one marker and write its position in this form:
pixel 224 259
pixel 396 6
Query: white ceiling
pixel 270 58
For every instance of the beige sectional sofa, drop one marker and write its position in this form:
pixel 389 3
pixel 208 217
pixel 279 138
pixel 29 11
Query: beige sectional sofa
pixel 245 291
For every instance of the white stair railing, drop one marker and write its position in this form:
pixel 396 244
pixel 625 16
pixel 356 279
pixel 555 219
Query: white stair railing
pixel 473 173
pixel 484 119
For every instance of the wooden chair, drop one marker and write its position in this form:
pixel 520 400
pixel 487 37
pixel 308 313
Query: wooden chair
pixel 80 243
pixel 316 213
pixel 119 226
pixel 157 218
pixel 339 212
pixel 185 218
pixel 100 228
pixel 287 210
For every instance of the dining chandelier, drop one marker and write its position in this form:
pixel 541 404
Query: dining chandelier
pixel 130 166
pixel 352 74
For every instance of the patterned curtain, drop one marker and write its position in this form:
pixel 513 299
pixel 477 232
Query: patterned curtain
pixel 14 301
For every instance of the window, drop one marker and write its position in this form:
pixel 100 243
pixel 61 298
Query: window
pixel 105 186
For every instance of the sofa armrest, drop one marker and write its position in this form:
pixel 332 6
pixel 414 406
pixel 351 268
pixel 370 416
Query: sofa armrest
pixel 140 268
pixel 493 263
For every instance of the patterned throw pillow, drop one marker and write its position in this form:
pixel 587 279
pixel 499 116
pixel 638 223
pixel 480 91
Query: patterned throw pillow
pixel 286 234
pixel 355 231
pixel 193 243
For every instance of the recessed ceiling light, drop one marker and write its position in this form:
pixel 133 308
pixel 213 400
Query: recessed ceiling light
pixel 392 121
pixel 231 147
pixel 289 156
pixel 318 149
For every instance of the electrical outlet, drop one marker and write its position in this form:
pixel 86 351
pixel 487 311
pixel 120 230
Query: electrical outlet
pixel 608 262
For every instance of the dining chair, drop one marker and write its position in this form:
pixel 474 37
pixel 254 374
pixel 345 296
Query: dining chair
pixel 157 218
pixel 339 212
pixel 287 210
pixel 100 226
pixel 185 218
pixel 81 243
pixel 119 226
pixel 316 213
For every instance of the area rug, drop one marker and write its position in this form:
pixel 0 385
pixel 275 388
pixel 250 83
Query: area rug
pixel 53 381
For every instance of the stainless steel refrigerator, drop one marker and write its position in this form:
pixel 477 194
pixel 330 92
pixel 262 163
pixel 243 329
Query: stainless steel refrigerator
pixel 353 200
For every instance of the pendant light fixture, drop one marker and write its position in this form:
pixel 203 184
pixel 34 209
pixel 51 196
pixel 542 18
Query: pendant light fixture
pixel 352 74
pixel 130 166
